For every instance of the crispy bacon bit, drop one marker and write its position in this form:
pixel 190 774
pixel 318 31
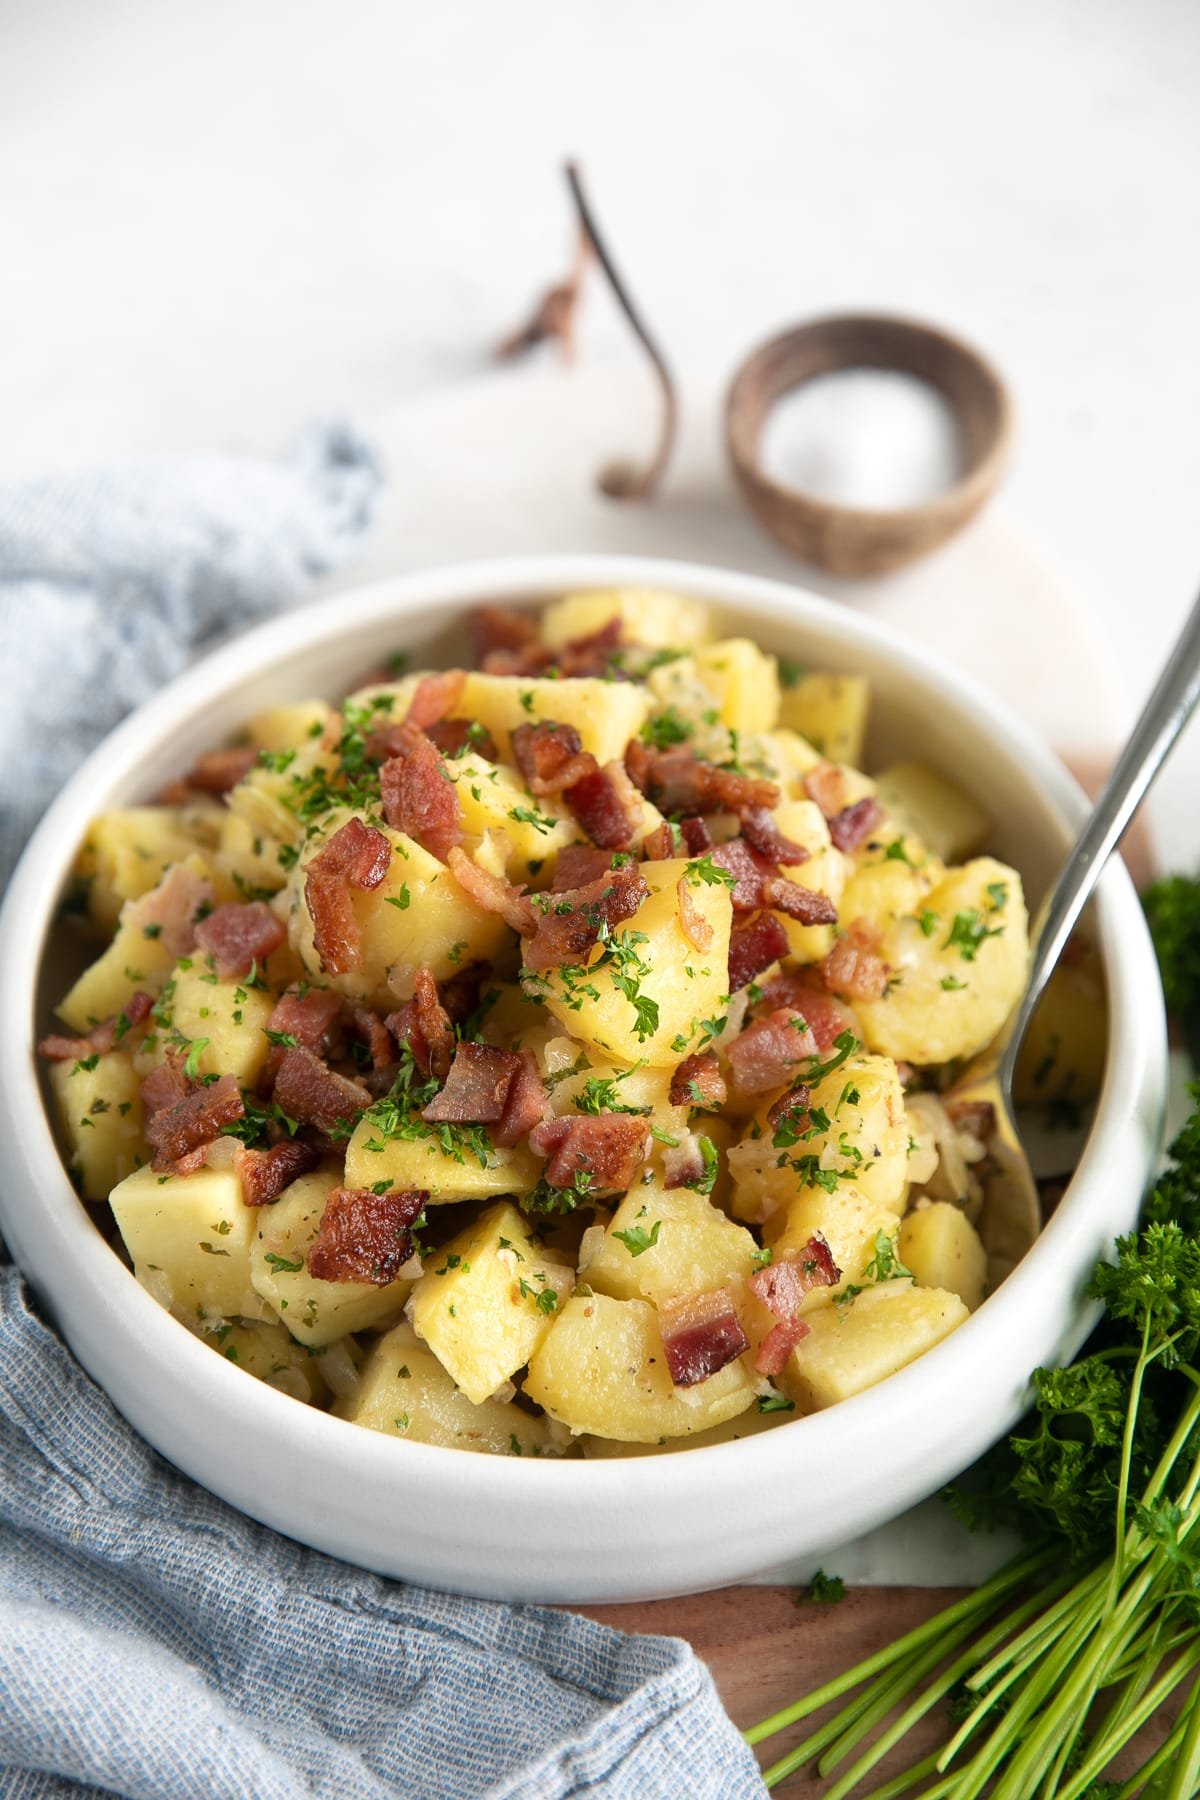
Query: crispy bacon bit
pixel 102 1038
pixel 460 993
pixel 765 1054
pixel 849 827
pixel 677 781
pixel 579 865
pixel 166 1085
pixel 797 990
pixel 452 736
pixel 526 1105
pixel 265 1173
pixel 500 628
pixel 423 1024
pixel 801 903
pixel 217 771
pixel 370 1030
pixel 315 1095
pixel 976 1117
pixel 175 906
pixel 607 1148
pixel 701 1333
pixel 476 1089
pixel 778 1345
pixel 237 937
pixel 754 944
pixel 566 936
pixel 683 1163
pixel 826 786
pixel 420 799
pixel 692 922
pixel 551 757
pixel 749 870
pixel 853 967
pixel 434 697
pixel 789 1107
pixel 492 892
pixel 659 845
pixel 696 837
pixel 590 655
pixel 364 1236
pixel 174 1131
pixel 698 1081
pixel 309 1016
pixel 760 830
pixel 356 856
pixel 607 805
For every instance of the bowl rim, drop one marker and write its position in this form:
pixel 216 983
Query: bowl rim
pixel 74 1267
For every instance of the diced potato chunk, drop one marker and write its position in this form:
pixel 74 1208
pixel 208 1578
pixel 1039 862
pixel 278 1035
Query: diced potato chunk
pixel 1065 1047
pixel 441 1160
pixel 269 1353
pixel 676 986
pixel 648 616
pixel 663 1242
pixel 744 682
pixel 486 1301
pixel 606 714
pixel 405 1392
pixel 132 962
pixel 830 711
pixel 824 873
pixel 315 1312
pixel 958 967
pixel 494 798
pixel 850 1348
pixel 189 1237
pixel 224 1022
pixel 268 797
pixel 290 726
pixel 743 1425
pixel 250 857
pixel 943 1250
pixel 101 1112
pixel 127 852
pixel 853 1225
pixel 602 1369
pixel 934 809
pixel 418 917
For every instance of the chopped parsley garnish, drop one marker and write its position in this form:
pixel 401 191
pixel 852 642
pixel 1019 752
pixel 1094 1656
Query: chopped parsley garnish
pixel 637 1240
pixel 968 932
pixel 668 728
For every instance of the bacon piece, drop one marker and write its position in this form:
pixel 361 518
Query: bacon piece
pixel 692 922
pixel 778 1345
pixel 797 990
pixel 308 1091
pixel 264 1174
pixel 166 1085
pixel 101 1038
pixel 853 967
pixel 754 944
pixel 492 892
pixel 659 845
pixel 760 830
pixel 976 1117
pixel 364 1236
pixel 551 757
pixel 476 1089
pixel 698 1081
pixel 781 1287
pixel 309 1016
pixel 238 937
pixel 801 903
pixel 849 827
pixel 683 1163
pixel 566 936
pixel 679 782
pixel 217 771
pixel 460 992
pixel 174 1131
pixel 452 736
pixel 420 799
pixel 434 697
pixel 370 1030
pixel 423 1024
pixel 175 907
pixel 610 1148
pixel 827 787
pixel 749 870
pixel 607 805
pixel 701 1333
pixel 766 1053
pixel 578 865
pixel 697 838
pixel 526 1104
pixel 790 1107
pixel 500 628
pixel 356 856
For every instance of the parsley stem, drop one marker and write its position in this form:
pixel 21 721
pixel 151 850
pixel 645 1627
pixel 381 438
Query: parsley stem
pixel 890 1693
pixel 1105 1745
pixel 1186 1772
pixel 900 1784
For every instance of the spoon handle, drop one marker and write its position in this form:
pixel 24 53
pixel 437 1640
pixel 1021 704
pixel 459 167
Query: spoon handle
pixel 1164 716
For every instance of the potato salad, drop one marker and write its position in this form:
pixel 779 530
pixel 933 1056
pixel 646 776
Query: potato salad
pixel 553 1056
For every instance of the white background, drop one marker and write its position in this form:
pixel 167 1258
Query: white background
pixel 219 219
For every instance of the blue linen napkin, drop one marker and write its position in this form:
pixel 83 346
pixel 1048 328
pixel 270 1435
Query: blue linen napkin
pixel 154 1643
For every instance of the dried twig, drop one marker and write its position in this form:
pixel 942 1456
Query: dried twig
pixel 556 313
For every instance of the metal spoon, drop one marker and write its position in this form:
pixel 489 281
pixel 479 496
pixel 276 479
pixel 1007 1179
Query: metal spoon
pixel 1013 1216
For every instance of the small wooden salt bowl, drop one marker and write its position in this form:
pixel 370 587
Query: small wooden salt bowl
pixel 854 540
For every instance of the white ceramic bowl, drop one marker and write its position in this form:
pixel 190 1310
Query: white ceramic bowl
pixel 574 1530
